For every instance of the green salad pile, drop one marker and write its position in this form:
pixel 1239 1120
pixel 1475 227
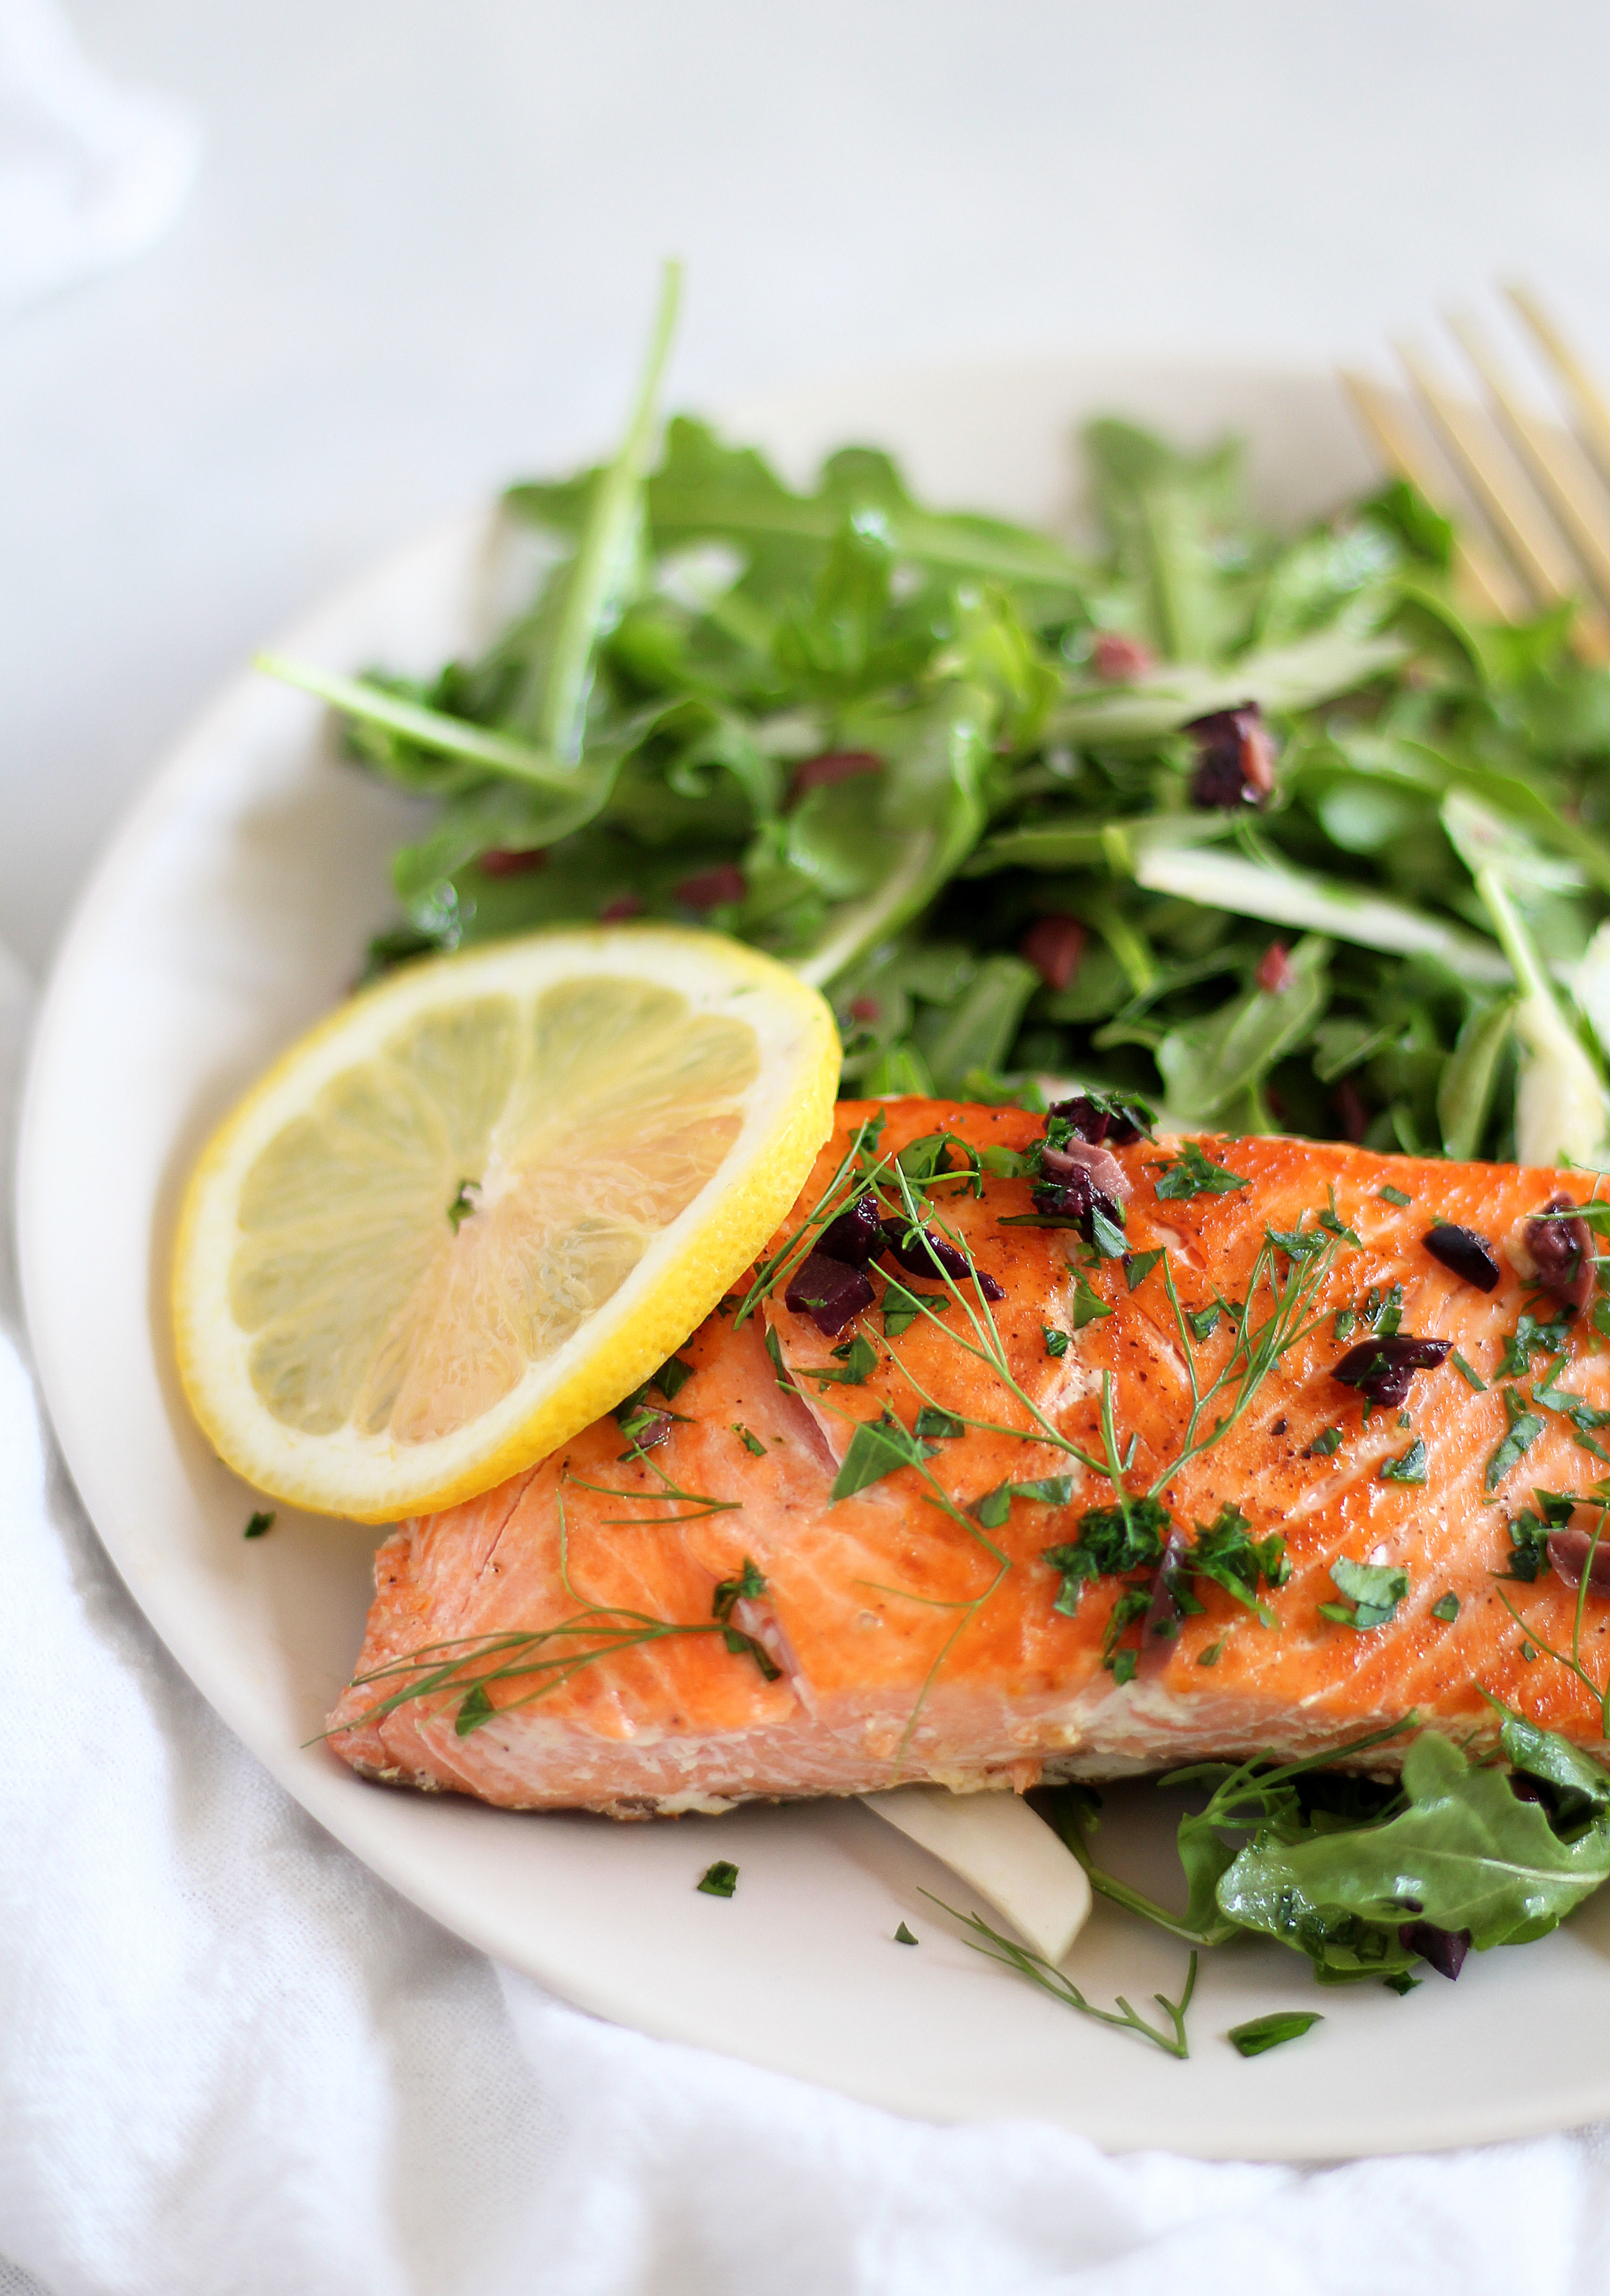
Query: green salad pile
pixel 984 789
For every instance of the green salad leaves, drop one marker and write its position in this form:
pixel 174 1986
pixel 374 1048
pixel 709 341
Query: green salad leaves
pixel 955 772
pixel 1358 1875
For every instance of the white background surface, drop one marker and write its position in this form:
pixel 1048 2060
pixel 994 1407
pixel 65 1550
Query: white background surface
pixel 422 250
pixel 419 258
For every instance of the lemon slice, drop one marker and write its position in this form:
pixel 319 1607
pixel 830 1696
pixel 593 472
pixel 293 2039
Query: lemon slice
pixel 484 1202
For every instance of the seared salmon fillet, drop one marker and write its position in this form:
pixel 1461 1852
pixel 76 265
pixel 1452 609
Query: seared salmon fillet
pixel 675 1613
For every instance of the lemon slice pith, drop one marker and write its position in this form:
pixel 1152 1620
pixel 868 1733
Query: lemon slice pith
pixel 484 1200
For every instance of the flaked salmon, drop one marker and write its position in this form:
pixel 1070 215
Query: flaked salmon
pixel 1122 1515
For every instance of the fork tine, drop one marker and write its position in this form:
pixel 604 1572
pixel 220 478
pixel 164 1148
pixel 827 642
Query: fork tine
pixel 1498 486
pixel 1484 576
pixel 1593 412
pixel 1562 471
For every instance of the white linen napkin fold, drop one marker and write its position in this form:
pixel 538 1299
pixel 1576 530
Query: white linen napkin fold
pixel 90 174
pixel 231 2060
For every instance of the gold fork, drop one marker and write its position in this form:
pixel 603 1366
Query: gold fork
pixel 1529 496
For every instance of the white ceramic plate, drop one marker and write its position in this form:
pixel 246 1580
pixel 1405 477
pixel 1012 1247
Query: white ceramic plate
pixel 231 910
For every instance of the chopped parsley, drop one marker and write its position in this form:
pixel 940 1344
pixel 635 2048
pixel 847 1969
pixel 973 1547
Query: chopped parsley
pixel 1130 1541
pixel 1529 1535
pixel 1408 1468
pixel 876 1449
pixel 1191 1173
pixel 672 1377
pixel 993 1507
pixel 1261 2033
pixel 1088 1305
pixel 1140 1267
pixel 1211 1654
pixel 1332 1219
pixel 1395 1196
pixel 934 1426
pixel 1056 1341
pixel 643 1427
pixel 1325 1443
pixel 1373 1591
pixel 752 1443
pixel 262 1520
pixel 459 1210
pixel 1471 1378
pixel 730 1592
pixel 1297 1242
pixel 1107 1239
pixel 720 1880
pixel 903 1936
pixel 1524 1427
pixel 857 1360
pixel 901 1308
pixel 1344 1323
pixel 1530 1338
pixel 1205 1323
pixel 1446 1607
pixel 1581 1414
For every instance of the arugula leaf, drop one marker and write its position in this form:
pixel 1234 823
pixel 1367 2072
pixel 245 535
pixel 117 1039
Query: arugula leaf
pixel 1191 1174
pixel 1465 1854
pixel 1206 1064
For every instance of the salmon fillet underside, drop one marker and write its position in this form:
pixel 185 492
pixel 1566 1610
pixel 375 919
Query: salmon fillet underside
pixel 897 1636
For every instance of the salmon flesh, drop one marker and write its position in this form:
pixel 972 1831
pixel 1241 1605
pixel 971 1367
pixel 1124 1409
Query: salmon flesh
pixel 676 1613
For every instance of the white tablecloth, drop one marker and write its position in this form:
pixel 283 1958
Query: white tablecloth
pixel 231 2059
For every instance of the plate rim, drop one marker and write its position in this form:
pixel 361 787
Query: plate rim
pixel 359 1824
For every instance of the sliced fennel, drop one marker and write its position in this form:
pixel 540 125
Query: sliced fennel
pixel 1282 678
pixel 1560 1109
pixel 995 1842
pixel 1560 1115
pixel 1283 895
